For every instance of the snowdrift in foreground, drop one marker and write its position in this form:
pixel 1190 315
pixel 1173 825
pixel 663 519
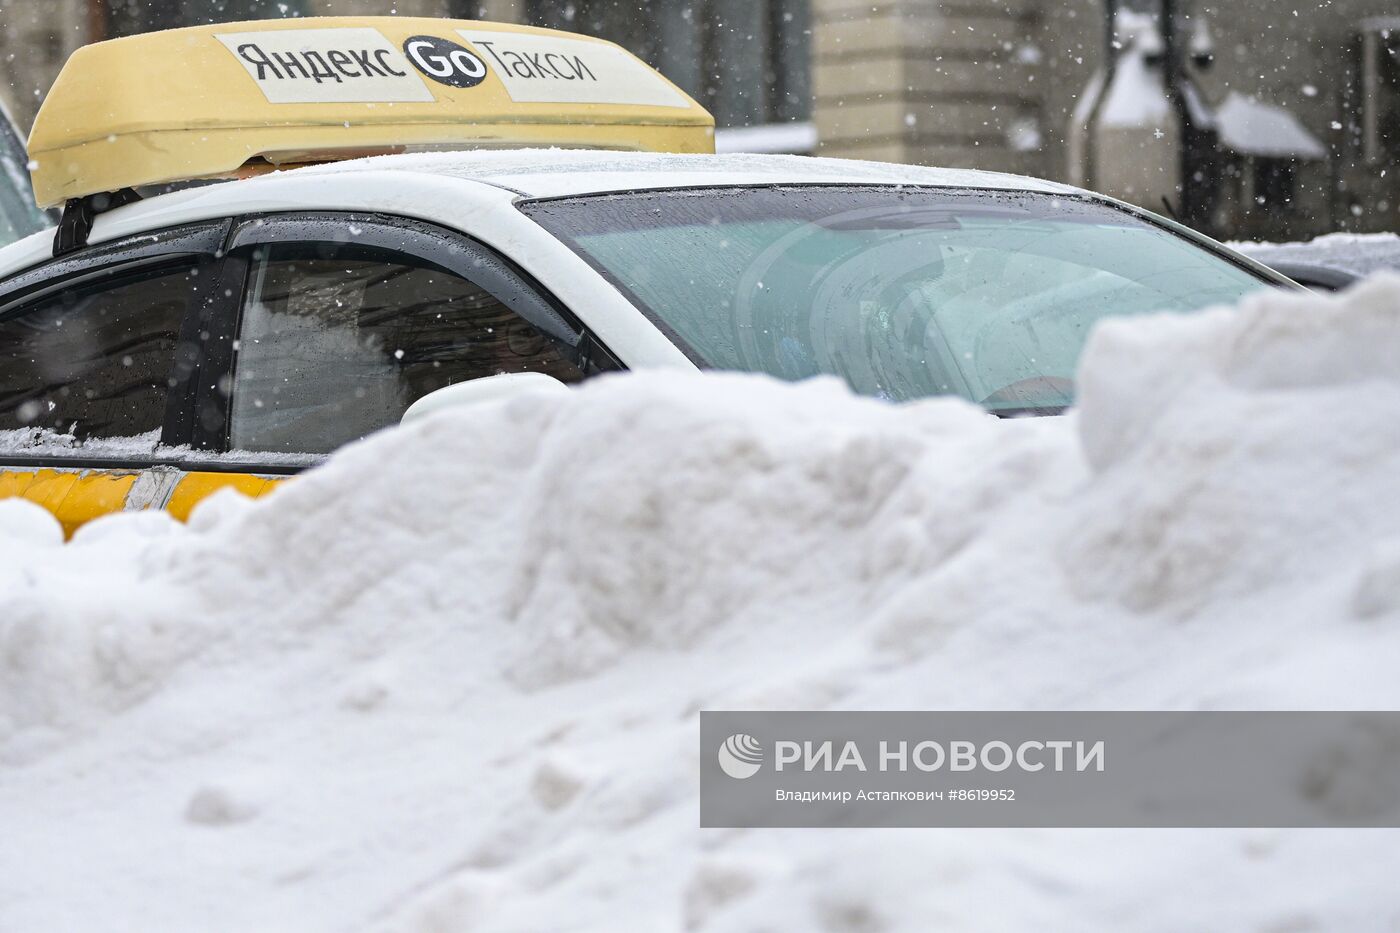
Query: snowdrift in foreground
pixel 450 680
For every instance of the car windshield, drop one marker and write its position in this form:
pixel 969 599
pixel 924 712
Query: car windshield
pixel 903 292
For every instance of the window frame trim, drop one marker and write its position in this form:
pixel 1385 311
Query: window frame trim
pixel 191 245
pixel 134 253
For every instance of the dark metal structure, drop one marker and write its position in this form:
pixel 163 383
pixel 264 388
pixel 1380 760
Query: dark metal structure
pixel 1200 168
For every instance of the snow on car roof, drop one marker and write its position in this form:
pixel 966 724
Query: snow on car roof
pixel 528 172
pixel 557 172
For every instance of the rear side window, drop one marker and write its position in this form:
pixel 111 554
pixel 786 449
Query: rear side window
pixel 95 362
pixel 337 340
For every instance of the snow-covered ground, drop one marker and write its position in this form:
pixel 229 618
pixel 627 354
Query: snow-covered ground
pixel 1357 253
pixel 450 680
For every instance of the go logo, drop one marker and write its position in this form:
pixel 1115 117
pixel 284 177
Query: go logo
pixel 445 62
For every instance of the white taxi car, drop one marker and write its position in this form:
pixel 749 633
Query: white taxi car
pixel 164 345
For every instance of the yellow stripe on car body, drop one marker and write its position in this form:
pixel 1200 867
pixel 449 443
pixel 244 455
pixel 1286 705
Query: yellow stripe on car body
pixel 76 495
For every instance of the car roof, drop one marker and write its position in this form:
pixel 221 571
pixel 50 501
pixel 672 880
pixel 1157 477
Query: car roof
pixel 564 172
pixel 424 185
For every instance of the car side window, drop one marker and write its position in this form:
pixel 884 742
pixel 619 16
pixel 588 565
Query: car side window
pixel 96 361
pixel 337 340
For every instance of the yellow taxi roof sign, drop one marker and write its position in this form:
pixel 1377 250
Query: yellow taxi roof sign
pixel 206 101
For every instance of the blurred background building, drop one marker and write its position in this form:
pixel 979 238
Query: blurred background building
pixel 1245 117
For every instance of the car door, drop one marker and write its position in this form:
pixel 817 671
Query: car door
pixel 155 371
pixel 100 355
pixel 347 319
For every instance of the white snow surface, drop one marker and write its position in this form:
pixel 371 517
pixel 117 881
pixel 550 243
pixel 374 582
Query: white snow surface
pixel 1358 253
pixel 450 679
pixel 768 137
pixel 555 172
pixel 1253 127
pixel 46 441
pixel 1137 96
pixel 53 446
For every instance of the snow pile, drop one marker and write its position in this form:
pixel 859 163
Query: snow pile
pixel 450 679
pixel 1357 253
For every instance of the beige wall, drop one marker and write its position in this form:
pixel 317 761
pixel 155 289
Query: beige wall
pixel 1072 39
pixel 946 82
